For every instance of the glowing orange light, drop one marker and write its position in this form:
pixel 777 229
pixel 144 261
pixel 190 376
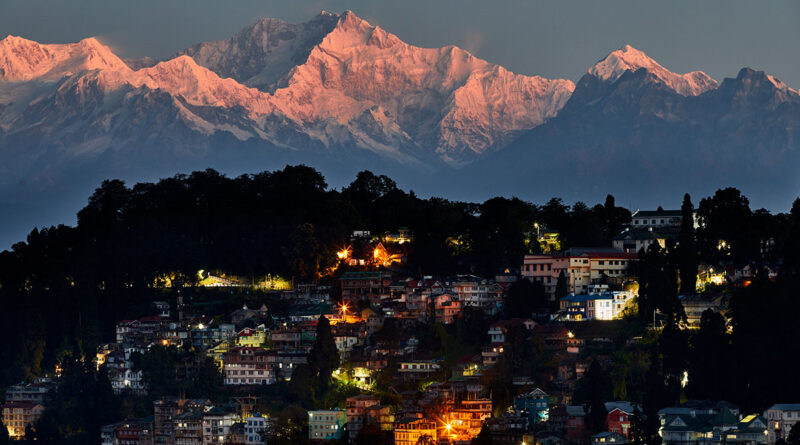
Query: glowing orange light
pixel 165 342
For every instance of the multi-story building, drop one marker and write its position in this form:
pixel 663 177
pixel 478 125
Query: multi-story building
pixel 409 429
pixel 618 419
pixel 534 403
pixel 252 337
pixel 19 414
pixel 475 291
pixel 357 412
pixel 188 427
pixel 419 369
pixel 217 423
pixel 248 366
pixel 657 218
pixel 129 432
pixel 581 267
pixel 465 419
pixel 364 286
pixel 257 428
pixel 326 424
pixel 38 392
pixel 166 411
pixel 447 308
pixel 780 420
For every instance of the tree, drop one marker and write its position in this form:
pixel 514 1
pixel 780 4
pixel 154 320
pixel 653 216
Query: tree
pixel 324 357
pixel 561 286
pixel 709 346
pixel 687 248
pixel 592 392
pixel 425 439
pixel 523 297
pixel 658 286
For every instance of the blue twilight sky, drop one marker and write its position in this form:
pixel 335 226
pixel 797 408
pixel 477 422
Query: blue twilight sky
pixel 552 38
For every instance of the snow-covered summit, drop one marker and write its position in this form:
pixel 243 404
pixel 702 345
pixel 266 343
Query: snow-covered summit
pixel 22 59
pixel 628 58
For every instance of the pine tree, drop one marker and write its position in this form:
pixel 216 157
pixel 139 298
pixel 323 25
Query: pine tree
pixel 561 286
pixel 687 247
pixel 324 357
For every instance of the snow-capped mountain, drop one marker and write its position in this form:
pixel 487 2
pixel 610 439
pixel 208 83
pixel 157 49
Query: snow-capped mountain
pixel 341 94
pixel 628 58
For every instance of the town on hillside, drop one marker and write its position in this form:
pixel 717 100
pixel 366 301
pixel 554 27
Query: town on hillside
pixel 609 344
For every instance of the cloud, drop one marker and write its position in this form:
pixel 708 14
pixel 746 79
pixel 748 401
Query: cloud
pixel 473 41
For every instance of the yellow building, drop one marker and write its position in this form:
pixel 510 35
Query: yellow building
pixel 18 415
pixel 408 430
pixel 253 337
pixel 216 352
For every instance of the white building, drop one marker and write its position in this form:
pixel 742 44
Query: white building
pixel 256 429
pixel 326 424
pixel 581 268
pixel 780 420
pixel 217 424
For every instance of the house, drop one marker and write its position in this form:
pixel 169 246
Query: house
pixel 447 308
pixel 659 218
pixel 569 419
pixel 581 267
pixel 188 427
pixel 695 304
pixel 632 240
pixel 535 403
pixel 509 430
pixel 381 415
pixel 618 419
pixel 409 429
pixel 473 291
pixel 19 414
pixel 608 437
pixel 364 286
pixel 248 366
pixel 166 411
pixel 257 428
pixel 324 425
pixel 253 337
pixel 217 423
pixel 697 422
pixel 418 370
pixel 752 430
pixel 780 420
pixel 357 412
pixel 39 391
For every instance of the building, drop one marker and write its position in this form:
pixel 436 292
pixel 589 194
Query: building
pixel 581 267
pixel 357 412
pixel 217 423
pixel 38 392
pixel 465 419
pixel 780 420
pixel 166 411
pixel 418 370
pixel 608 437
pixel 252 337
pixel 188 428
pixel 128 432
pixel 408 430
pixel 473 291
pixel 248 366
pixel 326 424
pixel 659 218
pixel 364 286
pixel 19 414
pixel 605 306
pixel 695 304
pixel 447 308
pixel 618 419
pixel 632 240
pixel 535 404
pixel 752 430
pixel 697 423
pixel 257 428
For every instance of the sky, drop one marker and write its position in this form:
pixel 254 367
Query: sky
pixel 550 38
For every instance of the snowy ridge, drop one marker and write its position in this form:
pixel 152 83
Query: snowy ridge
pixel 629 58
pixel 22 59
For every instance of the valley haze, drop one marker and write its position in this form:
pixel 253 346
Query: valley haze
pixel 342 95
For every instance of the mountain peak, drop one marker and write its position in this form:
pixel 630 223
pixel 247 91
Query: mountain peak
pixel 628 58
